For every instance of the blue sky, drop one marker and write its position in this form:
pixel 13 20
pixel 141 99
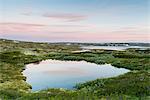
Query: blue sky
pixel 75 20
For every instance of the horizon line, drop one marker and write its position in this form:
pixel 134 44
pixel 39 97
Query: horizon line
pixel 66 41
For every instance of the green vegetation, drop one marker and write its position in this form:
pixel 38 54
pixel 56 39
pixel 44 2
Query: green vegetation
pixel 134 85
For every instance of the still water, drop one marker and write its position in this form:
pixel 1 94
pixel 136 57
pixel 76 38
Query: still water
pixel 65 74
pixel 113 47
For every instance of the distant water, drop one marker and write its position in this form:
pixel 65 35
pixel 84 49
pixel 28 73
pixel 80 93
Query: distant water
pixel 113 47
pixel 65 74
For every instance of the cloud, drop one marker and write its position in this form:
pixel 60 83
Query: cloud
pixel 22 24
pixel 41 28
pixel 132 30
pixel 20 27
pixel 66 16
pixel 75 32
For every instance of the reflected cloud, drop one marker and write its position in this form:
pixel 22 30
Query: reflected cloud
pixel 69 71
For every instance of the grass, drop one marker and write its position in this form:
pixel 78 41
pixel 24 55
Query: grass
pixel 133 83
pixel 132 86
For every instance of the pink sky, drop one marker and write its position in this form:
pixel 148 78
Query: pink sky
pixel 74 32
pixel 75 21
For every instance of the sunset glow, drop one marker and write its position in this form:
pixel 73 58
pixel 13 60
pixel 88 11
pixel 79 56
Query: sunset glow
pixel 75 20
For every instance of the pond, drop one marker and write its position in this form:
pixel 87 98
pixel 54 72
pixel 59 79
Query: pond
pixel 113 47
pixel 66 74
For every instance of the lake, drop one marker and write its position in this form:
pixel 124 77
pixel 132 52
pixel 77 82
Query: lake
pixel 66 74
pixel 113 47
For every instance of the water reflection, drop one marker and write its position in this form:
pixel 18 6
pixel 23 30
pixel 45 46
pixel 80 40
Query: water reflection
pixel 65 74
pixel 113 47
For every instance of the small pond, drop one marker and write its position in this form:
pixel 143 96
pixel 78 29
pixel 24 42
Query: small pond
pixel 65 74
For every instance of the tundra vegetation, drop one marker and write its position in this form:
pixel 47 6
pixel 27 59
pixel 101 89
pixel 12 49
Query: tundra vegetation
pixel 134 85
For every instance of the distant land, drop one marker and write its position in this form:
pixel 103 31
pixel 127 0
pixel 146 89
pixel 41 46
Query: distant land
pixel 88 44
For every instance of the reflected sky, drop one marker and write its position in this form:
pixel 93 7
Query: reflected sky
pixel 65 74
pixel 113 47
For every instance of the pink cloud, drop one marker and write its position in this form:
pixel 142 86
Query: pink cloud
pixel 58 32
pixel 20 27
pixel 22 24
pixel 28 28
pixel 66 16
pixel 81 36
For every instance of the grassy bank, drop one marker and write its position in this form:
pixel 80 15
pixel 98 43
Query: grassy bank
pixel 133 85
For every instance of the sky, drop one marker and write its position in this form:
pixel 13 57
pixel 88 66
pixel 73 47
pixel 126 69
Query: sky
pixel 75 20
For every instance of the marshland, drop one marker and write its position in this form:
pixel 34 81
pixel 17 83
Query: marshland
pixel 92 74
